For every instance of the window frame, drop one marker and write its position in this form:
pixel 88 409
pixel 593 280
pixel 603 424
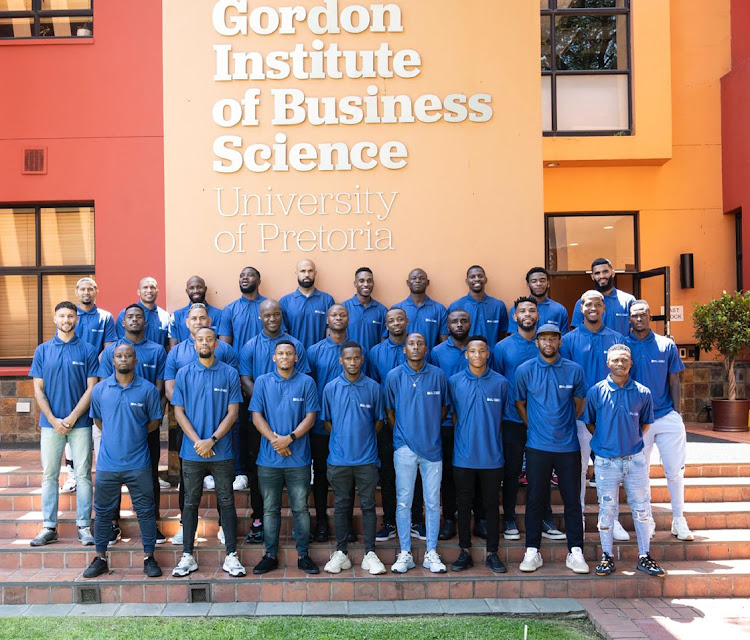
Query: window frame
pixel 39 270
pixel 552 12
pixel 37 13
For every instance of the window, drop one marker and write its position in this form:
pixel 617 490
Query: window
pixel 46 19
pixel 585 61
pixel 44 250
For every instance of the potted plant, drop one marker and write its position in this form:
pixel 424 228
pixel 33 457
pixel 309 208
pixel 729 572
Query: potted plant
pixel 723 325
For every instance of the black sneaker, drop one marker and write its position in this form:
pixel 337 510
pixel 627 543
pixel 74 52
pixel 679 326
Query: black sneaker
pixel 648 565
pixel 494 564
pixel 480 529
pixel 306 564
pixel 96 568
pixel 387 532
pixel 448 530
pixel 419 531
pixel 321 532
pixel 160 537
pixel 255 535
pixel 351 536
pixel 267 563
pixel 114 535
pixel 151 567
pixel 463 561
pixel 606 565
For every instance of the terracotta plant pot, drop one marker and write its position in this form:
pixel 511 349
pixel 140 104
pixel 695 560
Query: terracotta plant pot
pixel 730 415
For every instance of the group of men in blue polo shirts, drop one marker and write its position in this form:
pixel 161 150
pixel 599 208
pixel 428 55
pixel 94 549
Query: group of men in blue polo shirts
pixel 266 392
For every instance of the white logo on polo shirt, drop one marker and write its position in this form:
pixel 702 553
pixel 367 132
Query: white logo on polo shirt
pixel 365 406
pixel 297 399
pixel 564 386
pixel 375 321
pixel 433 393
pixel 430 320
pixel 633 413
pixel 657 361
pixel 221 390
pixel 80 364
pixel 97 331
pixel 494 400
pixel 493 321
pixel 150 366
pixel 136 404
pixel 318 311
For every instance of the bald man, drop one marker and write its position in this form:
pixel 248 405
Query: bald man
pixel 196 289
pixel 157 319
pixel 306 308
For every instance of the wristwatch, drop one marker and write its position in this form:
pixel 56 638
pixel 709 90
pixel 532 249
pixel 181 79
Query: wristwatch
pixel 215 439
pixel 292 436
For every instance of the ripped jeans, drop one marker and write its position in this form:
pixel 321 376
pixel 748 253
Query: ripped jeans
pixel 406 463
pixel 632 471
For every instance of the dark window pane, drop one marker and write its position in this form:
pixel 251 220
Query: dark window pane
pixel 65 27
pixel 590 42
pixel 66 5
pixel 16 27
pixel 546 44
pixel 575 241
pixel 15 5
pixel 67 236
pixel 18 331
pixel 589 4
pixel 17 240
pixel 544 4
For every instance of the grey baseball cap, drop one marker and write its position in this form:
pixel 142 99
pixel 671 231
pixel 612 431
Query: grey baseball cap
pixel 549 327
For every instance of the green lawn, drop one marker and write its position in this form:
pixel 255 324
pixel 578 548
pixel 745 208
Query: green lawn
pixel 459 628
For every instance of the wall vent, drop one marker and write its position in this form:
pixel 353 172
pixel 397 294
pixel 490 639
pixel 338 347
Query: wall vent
pixel 35 161
pixel 88 595
pixel 199 593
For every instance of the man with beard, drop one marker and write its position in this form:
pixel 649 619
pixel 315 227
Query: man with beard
pixel 426 316
pixel 306 308
pixel 489 316
pixel 366 315
pixel 511 353
pixel 196 292
pixel 382 359
pixel 126 410
pixel 157 319
pixel 550 394
pixel 537 279
pixel 64 373
pixel 206 401
pixel 617 303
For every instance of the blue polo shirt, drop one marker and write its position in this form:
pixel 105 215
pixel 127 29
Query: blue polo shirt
pixel 549 311
pixel 383 358
pixel 418 398
pixel 618 413
pixel 178 329
pixel 205 394
pixel 589 349
pixel 509 354
pixel 284 404
pixel 366 323
pixel 549 390
pixel 65 368
pixel 352 408
pixel 430 319
pixel 96 327
pixel 478 403
pixel 655 358
pixel 323 358
pixel 151 360
pixel 184 353
pixel 240 320
pixel 125 413
pixel 306 317
pixel 617 311
pixel 157 324
pixel 489 316
pixel 256 356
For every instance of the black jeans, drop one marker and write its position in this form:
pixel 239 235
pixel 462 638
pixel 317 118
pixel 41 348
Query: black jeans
pixel 388 482
pixel 343 481
pixel 490 480
pixel 249 441
pixel 154 453
pixel 319 451
pixel 539 465
pixel 193 473
pixel 447 484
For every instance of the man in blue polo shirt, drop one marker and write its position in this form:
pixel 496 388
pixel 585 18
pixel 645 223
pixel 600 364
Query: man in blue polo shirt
pixel 489 316
pixel 196 289
pixel 206 401
pixel 284 406
pixel 305 309
pixel 537 279
pixel 550 394
pixel 157 319
pixel 366 315
pixel 353 412
pixel 617 303
pixel 240 320
pixel 64 373
pixel 426 316
pixel 657 366
pixel 478 396
pixel 619 411
pixel 126 409
pixel 416 404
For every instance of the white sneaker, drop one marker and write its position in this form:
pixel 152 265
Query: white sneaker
pixel 651 527
pixel 339 560
pixel 240 483
pixel 208 483
pixel 404 562
pixel 432 562
pixel 163 484
pixel 220 535
pixel 372 563
pixel 177 537
pixel 681 530
pixel 619 534
pixel 576 562
pixel 185 566
pixel 532 560
pixel 232 565
pixel 70 484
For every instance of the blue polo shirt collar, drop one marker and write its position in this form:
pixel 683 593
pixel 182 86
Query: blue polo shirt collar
pixel 393 344
pixel 556 363
pixel 585 329
pixel 452 344
pixel 357 383
pixel 73 340
pixel 613 386
pixel 202 369
pixel 411 371
pixel 94 311
pixel 279 378
pixel 649 338
pixel 484 376
pixel 112 382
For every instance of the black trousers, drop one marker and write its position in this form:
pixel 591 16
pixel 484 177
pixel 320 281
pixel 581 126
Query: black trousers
pixel 539 466
pixel 251 440
pixel 343 481
pixel 388 482
pixel 181 488
pixel 489 480
pixel 447 484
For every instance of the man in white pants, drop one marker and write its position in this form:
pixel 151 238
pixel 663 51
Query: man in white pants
pixel 657 365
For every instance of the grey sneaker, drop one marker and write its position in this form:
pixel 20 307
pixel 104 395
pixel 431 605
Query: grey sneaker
pixel 84 535
pixel 45 536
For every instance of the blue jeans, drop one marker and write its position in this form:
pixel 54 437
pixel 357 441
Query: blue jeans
pixel 406 463
pixel 52 445
pixel 632 471
pixel 272 481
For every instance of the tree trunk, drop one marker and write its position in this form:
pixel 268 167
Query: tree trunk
pixel 729 366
